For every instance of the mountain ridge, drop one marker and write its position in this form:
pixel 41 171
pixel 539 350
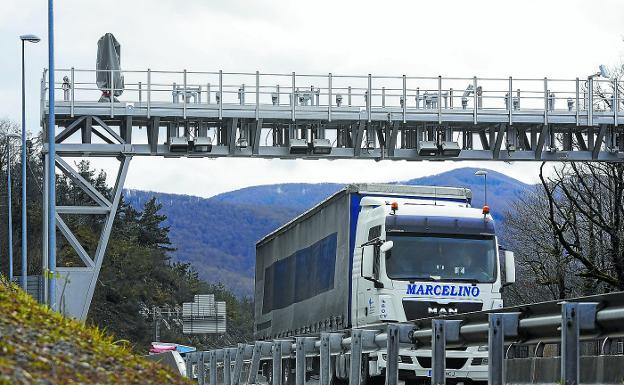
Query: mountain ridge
pixel 217 235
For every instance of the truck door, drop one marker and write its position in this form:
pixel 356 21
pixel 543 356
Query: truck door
pixel 366 298
pixel 366 295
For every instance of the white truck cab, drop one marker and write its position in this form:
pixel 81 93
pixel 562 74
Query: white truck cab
pixel 421 258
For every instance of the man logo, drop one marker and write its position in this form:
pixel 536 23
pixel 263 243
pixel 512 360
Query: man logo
pixel 442 310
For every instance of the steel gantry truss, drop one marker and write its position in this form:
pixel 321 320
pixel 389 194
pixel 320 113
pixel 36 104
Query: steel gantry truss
pixel 258 115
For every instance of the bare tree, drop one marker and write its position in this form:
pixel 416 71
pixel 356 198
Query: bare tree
pixel 546 272
pixel 586 214
pixel 34 183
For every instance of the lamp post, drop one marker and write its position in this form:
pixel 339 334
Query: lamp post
pixel 51 177
pixel 9 213
pixel 483 173
pixel 24 39
pixel 603 72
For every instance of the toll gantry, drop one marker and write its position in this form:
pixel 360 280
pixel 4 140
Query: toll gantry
pixel 121 114
pixel 269 115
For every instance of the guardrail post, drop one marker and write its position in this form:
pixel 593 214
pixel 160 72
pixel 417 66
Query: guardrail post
pixel 330 343
pixel 396 334
pixel 260 348
pixel 277 370
pixel 438 352
pixel 213 367
pixel 355 370
pixel 189 365
pixel 238 364
pixel 501 325
pixel 302 346
pixel 442 331
pixel 392 355
pixel 201 367
pixel 227 366
pixel 575 316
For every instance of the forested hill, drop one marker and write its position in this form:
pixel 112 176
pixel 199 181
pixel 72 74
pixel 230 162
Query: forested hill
pixel 217 235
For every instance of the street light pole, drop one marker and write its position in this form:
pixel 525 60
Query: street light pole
pixel 9 213
pixel 51 177
pixel 483 173
pixel 24 39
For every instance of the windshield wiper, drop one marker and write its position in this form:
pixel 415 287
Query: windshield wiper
pixel 434 278
pixel 469 280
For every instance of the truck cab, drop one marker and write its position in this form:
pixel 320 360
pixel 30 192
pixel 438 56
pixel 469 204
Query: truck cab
pixel 421 257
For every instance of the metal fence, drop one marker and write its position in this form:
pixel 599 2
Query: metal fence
pixel 188 90
pixel 566 323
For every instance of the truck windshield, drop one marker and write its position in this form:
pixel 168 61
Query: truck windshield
pixel 446 257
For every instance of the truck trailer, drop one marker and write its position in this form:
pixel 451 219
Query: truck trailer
pixel 377 253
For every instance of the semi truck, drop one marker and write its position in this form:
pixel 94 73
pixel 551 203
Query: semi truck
pixel 379 253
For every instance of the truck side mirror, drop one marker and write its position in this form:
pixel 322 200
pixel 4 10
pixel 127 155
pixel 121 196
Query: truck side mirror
pixel 510 267
pixel 368 262
pixel 386 246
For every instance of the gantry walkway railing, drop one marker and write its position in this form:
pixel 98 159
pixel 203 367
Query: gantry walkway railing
pixel 341 116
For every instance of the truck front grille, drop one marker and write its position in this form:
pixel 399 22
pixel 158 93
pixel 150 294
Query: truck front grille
pixel 424 309
pixel 451 363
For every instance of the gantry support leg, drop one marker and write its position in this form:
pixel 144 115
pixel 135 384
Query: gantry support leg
pixel 76 284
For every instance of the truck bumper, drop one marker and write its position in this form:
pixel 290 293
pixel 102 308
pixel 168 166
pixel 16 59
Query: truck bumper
pixel 460 365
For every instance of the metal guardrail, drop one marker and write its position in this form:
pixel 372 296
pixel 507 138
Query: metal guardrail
pixel 566 322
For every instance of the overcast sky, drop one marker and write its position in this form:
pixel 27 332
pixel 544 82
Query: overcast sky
pixel 562 39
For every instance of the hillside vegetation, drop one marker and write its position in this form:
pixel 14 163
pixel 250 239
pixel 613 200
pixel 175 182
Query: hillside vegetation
pixel 137 273
pixel 38 346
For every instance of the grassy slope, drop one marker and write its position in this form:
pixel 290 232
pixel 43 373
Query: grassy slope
pixel 38 346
